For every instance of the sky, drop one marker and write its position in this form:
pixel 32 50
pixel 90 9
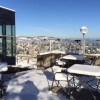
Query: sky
pixel 57 18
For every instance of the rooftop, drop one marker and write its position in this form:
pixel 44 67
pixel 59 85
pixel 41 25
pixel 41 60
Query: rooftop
pixel 7 8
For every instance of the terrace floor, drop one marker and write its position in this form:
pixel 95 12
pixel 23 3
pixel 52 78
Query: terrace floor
pixel 34 85
pixel 29 85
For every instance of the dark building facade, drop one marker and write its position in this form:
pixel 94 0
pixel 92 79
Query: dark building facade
pixel 7 36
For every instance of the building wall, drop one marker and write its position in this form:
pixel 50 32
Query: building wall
pixel 7 36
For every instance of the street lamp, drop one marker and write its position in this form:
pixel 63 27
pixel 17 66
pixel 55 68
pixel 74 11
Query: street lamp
pixel 51 41
pixel 50 44
pixel 83 30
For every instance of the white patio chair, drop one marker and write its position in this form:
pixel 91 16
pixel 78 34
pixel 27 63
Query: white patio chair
pixel 60 76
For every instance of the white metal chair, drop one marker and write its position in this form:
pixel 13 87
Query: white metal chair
pixel 61 76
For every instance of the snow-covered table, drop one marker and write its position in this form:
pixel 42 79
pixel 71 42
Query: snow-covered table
pixel 86 70
pixel 3 66
pixel 73 59
pixel 95 58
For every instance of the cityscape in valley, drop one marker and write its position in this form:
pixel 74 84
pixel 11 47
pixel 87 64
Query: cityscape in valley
pixel 40 44
pixel 28 48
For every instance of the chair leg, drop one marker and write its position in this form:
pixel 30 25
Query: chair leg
pixel 1 89
pixel 57 82
pixel 69 91
pixel 98 85
pixel 1 92
pixel 74 81
pixel 52 84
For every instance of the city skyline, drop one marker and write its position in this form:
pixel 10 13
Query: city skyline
pixel 57 18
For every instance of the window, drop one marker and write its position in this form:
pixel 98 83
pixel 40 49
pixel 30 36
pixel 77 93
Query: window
pixel 8 30
pixel 0 29
pixel 8 44
pixel 14 46
pixel 13 30
pixel 0 45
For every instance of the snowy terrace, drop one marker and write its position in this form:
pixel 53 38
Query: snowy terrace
pixel 33 84
pixel 30 85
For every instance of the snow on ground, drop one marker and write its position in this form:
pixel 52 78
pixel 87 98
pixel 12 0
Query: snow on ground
pixel 28 63
pixel 34 85
pixel 31 86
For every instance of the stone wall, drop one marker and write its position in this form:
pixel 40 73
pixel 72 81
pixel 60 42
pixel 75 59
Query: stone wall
pixel 47 60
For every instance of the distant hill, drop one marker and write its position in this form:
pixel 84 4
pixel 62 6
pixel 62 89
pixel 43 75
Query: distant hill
pixel 89 40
